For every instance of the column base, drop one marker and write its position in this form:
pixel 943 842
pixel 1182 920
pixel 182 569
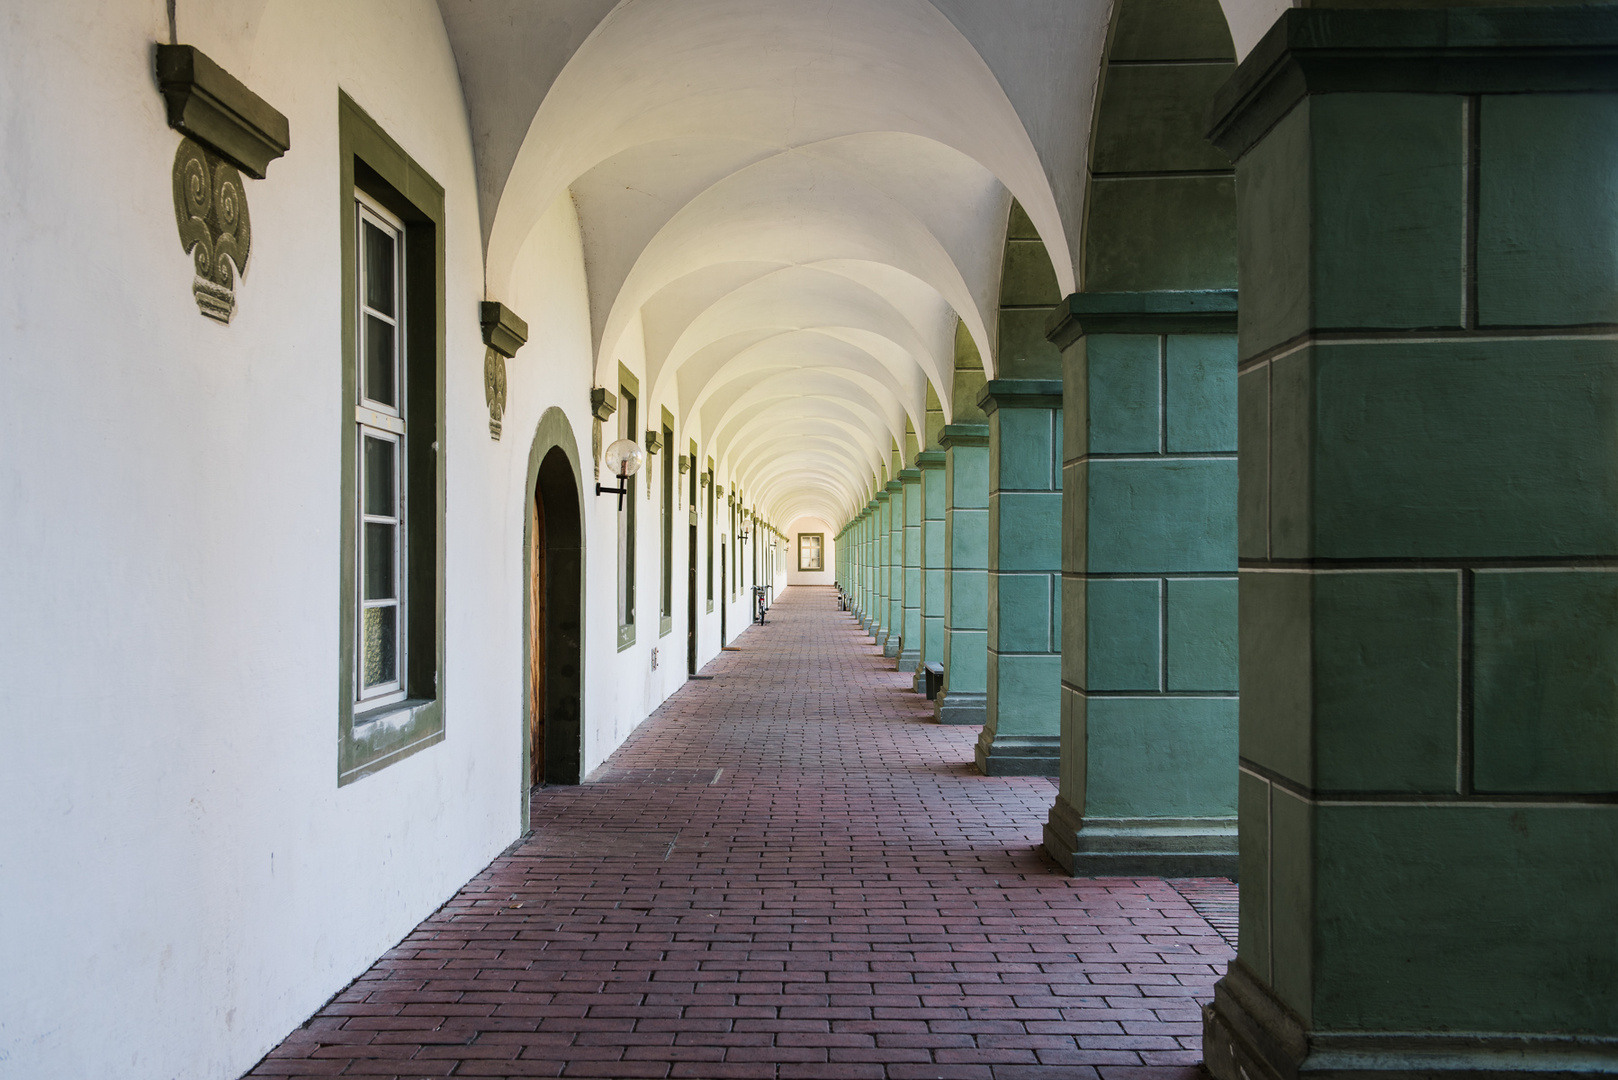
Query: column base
pixel 1140 847
pixel 960 707
pixel 1247 1034
pixel 890 646
pixel 909 660
pixel 1019 755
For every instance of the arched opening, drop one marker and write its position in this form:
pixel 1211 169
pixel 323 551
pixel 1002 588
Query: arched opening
pixel 552 739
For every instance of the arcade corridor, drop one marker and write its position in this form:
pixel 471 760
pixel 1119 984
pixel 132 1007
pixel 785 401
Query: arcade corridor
pixel 788 871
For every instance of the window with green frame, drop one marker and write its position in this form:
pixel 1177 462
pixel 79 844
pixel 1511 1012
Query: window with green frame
pixel 713 523
pixel 628 421
pixel 391 623
pixel 666 612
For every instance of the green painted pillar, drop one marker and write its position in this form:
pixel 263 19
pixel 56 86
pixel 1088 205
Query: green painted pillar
pixel 1021 727
pixel 1428 531
pixel 882 549
pixel 933 574
pixel 867 577
pixel 966 571
pixel 910 624
pixel 893 619
pixel 1148 770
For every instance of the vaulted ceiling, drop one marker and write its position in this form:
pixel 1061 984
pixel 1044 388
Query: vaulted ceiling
pixel 790 202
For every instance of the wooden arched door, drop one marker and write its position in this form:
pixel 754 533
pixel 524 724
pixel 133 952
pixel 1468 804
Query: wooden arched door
pixel 537 652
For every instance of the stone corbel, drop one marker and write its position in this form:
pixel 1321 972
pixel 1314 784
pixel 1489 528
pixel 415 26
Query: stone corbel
pixel 228 130
pixel 503 334
pixel 654 446
pixel 602 405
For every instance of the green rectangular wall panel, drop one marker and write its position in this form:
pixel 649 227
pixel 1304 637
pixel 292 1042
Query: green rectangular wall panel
pixel 1273 253
pixel 1021 458
pixel 1397 158
pixel 1123 633
pixel 1024 352
pixel 1547 219
pixel 1200 393
pixel 1024 691
pixel 1024 531
pixel 1253 464
pixel 1201 635
pixel 1445 449
pixel 1020 612
pixel 1253 912
pixel 1386 683
pixel 1275 616
pixel 1124 392
pixel 1408 895
pixel 1545 697
pixel 1171 516
pixel 1166 232
pixel 1169 757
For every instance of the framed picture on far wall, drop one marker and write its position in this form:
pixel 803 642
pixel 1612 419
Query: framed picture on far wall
pixel 811 552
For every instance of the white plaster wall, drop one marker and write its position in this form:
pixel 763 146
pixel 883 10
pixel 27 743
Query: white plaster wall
pixel 184 882
pixel 827 576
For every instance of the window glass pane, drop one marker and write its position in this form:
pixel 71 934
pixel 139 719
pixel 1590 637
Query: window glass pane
pixel 380 580
pixel 379 261
pixel 380 455
pixel 379 646
pixel 379 365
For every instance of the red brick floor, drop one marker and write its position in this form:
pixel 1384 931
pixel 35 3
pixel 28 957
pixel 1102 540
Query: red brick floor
pixel 788 871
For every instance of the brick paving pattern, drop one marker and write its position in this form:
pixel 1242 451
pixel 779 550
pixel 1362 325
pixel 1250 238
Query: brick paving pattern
pixel 788 871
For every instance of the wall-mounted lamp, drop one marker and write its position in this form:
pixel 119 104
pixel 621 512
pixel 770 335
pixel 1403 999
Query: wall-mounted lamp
pixel 624 459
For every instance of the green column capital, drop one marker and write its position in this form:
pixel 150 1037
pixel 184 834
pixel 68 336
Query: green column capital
pixel 1549 49
pixel 1020 394
pixel 955 435
pixel 1203 311
pixel 930 459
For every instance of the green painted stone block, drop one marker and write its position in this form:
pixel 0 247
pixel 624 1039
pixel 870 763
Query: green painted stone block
pixel 1150 119
pixel 1074 756
pixel 1389 217
pixel 1123 633
pixel 1386 680
pixel 1076 399
pixel 1027 278
pixel 1545 696
pixel 968 539
pixel 1446 450
pixel 969 600
pixel 1253 464
pixel 1020 609
pixel 1075 517
pixel 966 661
pixel 1465 918
pixel 1547 219
pixel 1273 200
pixel 1160 757
pixel 1292 899
pixel 1024 352
pixel 1075 636
pixel 1025 691
pixel 968 470
pixel 1025 531
pixel 1173 516
pixel 1201 635
pixel 1161 233
pixel 1124 393
pixel 932 544
pixel 1024 452
pixel 1253 848
pixel 1200 393
pixel 1274 615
